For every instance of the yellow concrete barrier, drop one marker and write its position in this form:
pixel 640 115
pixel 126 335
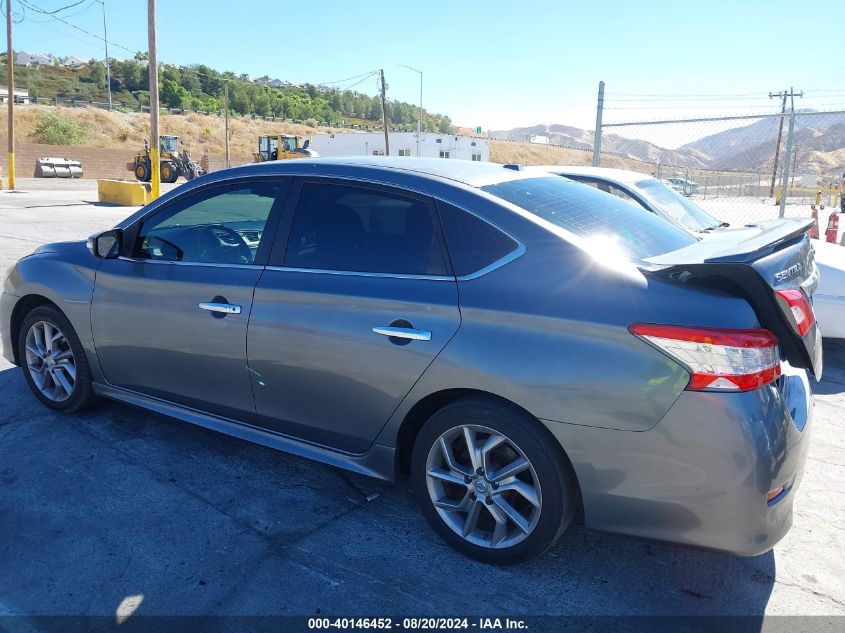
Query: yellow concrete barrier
pixel 123 192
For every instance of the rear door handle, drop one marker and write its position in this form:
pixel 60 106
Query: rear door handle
pixel 403 332
pixel 223 308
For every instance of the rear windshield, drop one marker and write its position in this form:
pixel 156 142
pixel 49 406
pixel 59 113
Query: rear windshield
pixel 591 213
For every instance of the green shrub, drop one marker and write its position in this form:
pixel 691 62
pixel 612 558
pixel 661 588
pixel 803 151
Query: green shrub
pixel 54 129
pixel 310 122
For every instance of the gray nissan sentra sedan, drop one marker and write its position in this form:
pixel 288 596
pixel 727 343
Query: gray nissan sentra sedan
pixel 521 344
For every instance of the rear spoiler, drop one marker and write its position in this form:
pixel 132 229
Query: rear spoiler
pixel 773 235
pixel 775 256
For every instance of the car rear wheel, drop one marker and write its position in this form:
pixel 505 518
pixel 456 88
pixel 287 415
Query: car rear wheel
pixel 54 364
pixel 492 482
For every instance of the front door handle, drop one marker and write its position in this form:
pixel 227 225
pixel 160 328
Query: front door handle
pixel 409 333
pixel 223 308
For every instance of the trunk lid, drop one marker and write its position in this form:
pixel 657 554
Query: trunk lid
pixel 755 265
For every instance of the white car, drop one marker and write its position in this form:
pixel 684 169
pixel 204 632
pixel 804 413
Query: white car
pixel 663 200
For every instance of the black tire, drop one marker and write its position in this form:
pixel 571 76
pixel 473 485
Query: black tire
pixel 169 172
pixel 82 394
pixel 142 172
pixel 552 468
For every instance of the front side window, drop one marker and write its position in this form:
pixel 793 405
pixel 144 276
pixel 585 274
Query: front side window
pixel 444 154
pixel 222 225
pixel 594 215
pixel 358 229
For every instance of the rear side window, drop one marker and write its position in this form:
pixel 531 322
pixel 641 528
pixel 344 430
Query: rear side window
pixel 473 243
pixel 358 229
pixel 590 213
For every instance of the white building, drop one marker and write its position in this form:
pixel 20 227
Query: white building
pixel 25 58
pixel 21 96
pixel 74 62
pixel 432 145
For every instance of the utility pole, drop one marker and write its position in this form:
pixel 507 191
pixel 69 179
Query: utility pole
pixel 790 139
pixel 226 118
pixel 794 165
pixel 106 40
pixel 597 134
pixel 780 136
pixel 384 112
pixel 420 118
pixel 10 100
pixel 155 163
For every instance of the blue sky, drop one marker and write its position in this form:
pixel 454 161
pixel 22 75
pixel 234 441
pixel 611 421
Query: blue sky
pixel 493 63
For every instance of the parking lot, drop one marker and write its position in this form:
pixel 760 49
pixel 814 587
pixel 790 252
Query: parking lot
pixel 117 507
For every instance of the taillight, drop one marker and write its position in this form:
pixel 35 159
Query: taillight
pixel 717 359
pixel 800 308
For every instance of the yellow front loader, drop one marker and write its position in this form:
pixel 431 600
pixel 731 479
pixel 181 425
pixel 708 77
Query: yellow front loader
pixel 283 147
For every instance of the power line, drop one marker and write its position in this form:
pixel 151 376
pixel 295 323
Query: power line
pixel 65 8
pixel 29 5
pixel 340 81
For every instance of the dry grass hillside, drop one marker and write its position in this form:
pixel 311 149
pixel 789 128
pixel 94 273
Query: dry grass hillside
pixel 200 133
pixel 534 154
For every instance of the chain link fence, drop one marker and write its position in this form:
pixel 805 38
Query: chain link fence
pixel 741 169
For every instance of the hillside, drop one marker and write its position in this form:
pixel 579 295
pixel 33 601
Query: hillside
pixel 820 140
pixel 120 130
pixel 574 137
pixel 198 87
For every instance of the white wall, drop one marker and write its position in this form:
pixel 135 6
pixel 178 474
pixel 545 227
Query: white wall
pixel 367 143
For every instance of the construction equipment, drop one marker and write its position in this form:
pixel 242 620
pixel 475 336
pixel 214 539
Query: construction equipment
pixel 283 147
pixel 173 163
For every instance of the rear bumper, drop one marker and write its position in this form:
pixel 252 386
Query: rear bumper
pixel 700 477
pixel 7 303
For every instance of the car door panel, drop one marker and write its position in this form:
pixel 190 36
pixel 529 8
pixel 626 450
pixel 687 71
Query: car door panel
pixel 169 316
pixel 320 372
pixel 152 336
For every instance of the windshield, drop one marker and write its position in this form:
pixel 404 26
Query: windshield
pixel 594 215
pixel 169 143
pixel 676 206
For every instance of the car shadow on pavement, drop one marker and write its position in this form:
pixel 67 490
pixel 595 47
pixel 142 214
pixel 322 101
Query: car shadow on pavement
pixel 118 504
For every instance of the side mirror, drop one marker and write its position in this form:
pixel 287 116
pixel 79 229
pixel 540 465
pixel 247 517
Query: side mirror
pixel 106 245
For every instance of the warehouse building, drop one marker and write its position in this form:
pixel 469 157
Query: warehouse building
pixel 432 145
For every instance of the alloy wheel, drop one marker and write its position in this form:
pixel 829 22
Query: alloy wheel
pixel 50 361
pixel 483 486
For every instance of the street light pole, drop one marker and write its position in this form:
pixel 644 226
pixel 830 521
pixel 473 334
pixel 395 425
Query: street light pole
pixel 419 119
pixel 106 40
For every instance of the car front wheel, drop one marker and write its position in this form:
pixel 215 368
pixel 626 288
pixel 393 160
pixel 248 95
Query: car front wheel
pixel 54 363
pixel 492 482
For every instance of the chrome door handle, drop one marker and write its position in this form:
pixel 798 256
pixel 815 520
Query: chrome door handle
pixel 404 332
pixel 224 308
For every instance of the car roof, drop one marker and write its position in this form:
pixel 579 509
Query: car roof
pixel 472 173
pixel 619 175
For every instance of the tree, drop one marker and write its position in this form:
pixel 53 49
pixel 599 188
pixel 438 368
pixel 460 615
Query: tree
pixel 98 74
pixel 173 94
pixel 444 126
